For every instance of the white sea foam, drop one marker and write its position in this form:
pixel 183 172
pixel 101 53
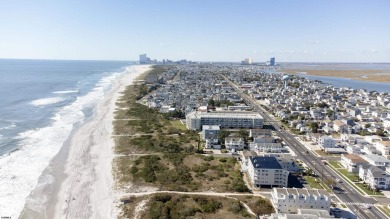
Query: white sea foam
pixel 66 92
pixel 47 101
pixel 20 171
pixel 8 127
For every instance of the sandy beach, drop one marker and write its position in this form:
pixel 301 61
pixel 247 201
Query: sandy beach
pixel 88 188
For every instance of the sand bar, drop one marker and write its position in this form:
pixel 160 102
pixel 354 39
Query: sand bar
pixel 377 75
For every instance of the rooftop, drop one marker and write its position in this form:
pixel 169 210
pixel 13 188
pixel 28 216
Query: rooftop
pixel 376 158
pixel 384 143
pixel 211 127
pixel 227 114
pixel 265 162
pixel 354 157
pixel 297 192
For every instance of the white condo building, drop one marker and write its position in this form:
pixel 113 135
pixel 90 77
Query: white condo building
pixel 289 200
pixel 267 172
pixel 249 120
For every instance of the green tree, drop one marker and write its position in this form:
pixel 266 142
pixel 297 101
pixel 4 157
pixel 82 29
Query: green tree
pixel 222 135
pixel 314 127
pixel 211 102
pixel 243 133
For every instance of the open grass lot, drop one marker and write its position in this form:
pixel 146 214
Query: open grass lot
pixel 177 124
pixel 187 172
pixel 321 153
pixel 216 174
pixel 335 164
pixel 351 176
pixel 368 191
pixel 315 182
pixel 184 206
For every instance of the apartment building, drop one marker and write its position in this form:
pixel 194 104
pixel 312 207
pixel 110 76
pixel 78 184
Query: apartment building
pixel 225 119
pixel 289 200
pixel 267 172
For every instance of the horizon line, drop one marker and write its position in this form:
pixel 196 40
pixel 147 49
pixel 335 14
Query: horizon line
pixel 235 62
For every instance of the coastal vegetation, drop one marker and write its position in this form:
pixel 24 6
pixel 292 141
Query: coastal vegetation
pixel 156 150
pixel 170 205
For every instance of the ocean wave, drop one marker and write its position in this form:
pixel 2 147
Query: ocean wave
pixel 20 171
pixel 47 101
pixel 8 127
pixel 66 92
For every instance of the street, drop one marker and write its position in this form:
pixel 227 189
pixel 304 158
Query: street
pixel 316 164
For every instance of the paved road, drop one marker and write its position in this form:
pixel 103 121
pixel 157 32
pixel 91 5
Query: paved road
pixel 316 164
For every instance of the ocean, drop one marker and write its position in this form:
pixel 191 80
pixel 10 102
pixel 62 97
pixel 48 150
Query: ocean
pixel 41 103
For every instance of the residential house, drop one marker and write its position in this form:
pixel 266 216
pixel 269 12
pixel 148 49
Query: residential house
pixel 234 143
pixel 377 160
pixel 256 132
pixel 327 142
pixel 210 132
pixel 383 147
pixel 377 178
pixel 340 127
pixel 351 162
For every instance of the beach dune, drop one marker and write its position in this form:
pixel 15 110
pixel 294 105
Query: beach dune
pixel 88 188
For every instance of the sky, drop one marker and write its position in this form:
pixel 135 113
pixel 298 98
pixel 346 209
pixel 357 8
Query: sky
pixel 198 30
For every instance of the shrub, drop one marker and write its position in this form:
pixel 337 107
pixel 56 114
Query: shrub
pixel 201 169
pixel 208 158
pixel 207 205
pixel 236 207
pixel 263 206
pixel 162 197
pixel 223 159
pixel 133 170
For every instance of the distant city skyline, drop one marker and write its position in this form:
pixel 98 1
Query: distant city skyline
pixel 291 31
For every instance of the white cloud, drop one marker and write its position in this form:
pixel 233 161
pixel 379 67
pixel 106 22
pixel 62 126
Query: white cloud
pixel 313 41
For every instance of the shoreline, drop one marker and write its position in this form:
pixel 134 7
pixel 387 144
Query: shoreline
pixel 87 189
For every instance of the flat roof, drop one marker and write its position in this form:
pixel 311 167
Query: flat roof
pixel 228 114
pixel 211 127
pixel 354 157
pixel 265 162
pixel 376 158
pixel 303 191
